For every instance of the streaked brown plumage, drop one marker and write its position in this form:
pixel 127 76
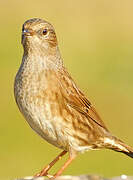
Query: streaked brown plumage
pixel 52 103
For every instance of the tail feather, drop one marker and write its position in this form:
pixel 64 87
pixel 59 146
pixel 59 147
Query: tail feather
pixel 128 151
pixel 130 154
pixel 118 145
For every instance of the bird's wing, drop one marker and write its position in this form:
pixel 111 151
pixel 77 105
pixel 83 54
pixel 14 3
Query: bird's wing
pixel 76 99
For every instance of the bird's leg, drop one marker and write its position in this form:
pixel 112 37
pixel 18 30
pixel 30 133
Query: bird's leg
pixel 71 158
pixel 45 170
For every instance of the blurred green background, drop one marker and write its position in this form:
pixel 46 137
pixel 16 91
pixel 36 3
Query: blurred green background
pixel 96 42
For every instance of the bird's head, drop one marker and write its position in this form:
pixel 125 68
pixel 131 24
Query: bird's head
pixel 38 34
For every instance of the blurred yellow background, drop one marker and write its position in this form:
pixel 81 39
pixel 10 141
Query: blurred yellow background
pixel 96 42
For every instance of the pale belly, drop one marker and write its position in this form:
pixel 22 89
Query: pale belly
pixel 38 111
pixel 42 122
pixel 52 129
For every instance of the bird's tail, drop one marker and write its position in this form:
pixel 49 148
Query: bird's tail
pixel 118 145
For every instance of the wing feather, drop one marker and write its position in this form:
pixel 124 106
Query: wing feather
pixel 77 100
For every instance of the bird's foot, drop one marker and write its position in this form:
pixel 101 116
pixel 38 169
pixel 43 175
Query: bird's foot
pixel 44 174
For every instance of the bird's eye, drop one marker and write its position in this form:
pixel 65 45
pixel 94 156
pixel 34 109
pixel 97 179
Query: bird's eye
pixel 45 31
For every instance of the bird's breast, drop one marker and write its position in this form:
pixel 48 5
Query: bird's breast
pixel 36 102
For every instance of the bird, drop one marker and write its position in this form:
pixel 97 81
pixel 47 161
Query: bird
pixel 52 103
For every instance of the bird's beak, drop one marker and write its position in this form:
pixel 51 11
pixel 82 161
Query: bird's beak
pixel 27 32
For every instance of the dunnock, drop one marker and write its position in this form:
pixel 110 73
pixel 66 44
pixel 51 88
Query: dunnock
pixel 52 103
